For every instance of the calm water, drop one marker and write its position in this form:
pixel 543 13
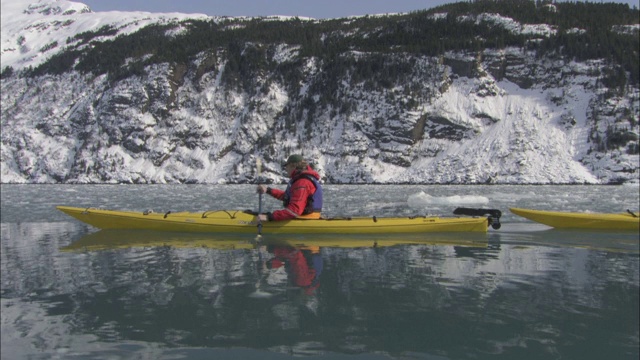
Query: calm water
pixel 522 292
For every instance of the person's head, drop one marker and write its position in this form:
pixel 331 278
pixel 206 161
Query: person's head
pixel 295 162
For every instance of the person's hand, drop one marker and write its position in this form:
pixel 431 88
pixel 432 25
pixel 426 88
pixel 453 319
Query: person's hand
pixel 263 217
pixel 261 189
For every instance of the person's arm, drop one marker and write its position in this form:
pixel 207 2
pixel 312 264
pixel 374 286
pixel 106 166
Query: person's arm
pixel 276 193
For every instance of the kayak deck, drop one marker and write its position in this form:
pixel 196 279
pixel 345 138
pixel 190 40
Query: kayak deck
pixel 238 221
pixel 576 220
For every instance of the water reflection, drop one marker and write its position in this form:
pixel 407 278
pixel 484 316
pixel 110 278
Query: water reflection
pixel 302 265
pixel 122 239
pixel 67 292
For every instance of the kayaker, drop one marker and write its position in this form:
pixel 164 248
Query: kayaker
pixel 303 197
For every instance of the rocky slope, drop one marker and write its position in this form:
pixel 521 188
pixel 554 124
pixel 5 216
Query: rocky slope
pixel 502 114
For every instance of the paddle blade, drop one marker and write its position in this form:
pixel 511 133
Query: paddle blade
pixel 259 294
pixel 258 167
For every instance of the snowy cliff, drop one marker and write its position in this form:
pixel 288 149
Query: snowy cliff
pixel 502 114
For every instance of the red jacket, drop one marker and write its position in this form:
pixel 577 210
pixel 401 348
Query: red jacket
pixel 301 189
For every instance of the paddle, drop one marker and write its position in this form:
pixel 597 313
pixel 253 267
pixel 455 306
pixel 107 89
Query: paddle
pixel 259 293
pixel 259 173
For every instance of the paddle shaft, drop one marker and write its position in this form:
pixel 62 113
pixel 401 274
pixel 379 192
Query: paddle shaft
pixel 259 213
pixel 259 171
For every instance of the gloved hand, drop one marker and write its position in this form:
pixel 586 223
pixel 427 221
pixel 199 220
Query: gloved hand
pixel 261 189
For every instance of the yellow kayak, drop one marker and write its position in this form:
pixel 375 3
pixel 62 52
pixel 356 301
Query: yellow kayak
pixel 576 220
pixel 238 221
pixel 124 239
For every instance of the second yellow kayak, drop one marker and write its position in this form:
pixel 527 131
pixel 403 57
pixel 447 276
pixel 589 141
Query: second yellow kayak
pixel 578 220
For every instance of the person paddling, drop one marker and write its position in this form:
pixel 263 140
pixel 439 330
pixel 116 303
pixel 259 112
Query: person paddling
pixel 303 197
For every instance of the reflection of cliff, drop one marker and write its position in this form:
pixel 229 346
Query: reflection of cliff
pixel 416 298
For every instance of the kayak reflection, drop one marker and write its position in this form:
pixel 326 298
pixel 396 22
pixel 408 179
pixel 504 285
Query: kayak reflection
pixel 283 262
pixel 120 239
